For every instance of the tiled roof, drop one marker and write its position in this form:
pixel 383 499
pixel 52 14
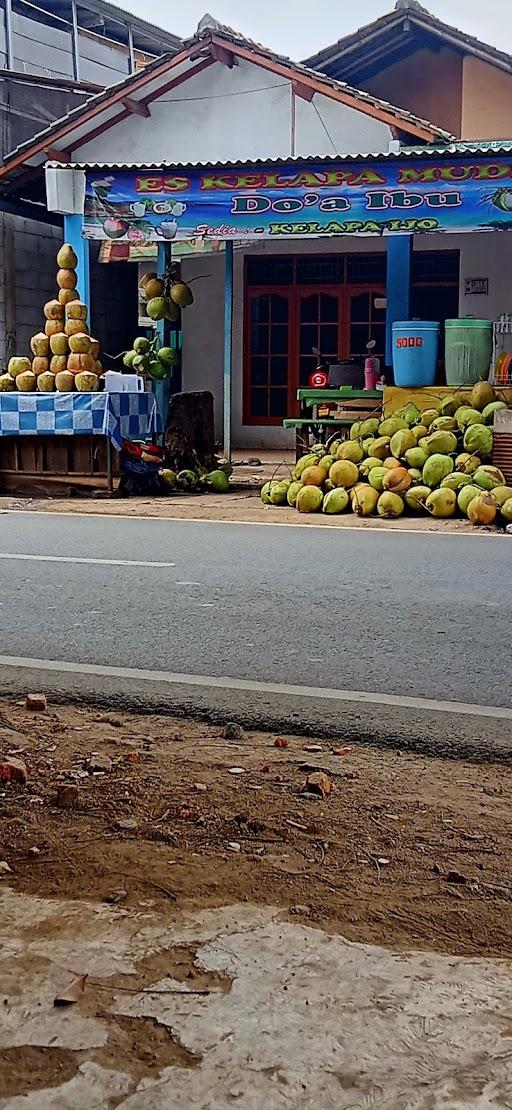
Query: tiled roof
pixel 416 16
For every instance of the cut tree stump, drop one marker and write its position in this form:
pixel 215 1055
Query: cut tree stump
pixel 189 434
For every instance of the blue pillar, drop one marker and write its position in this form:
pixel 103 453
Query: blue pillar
pixel 228 344
pixel 398 291
pixel 162 389
pixel 73 235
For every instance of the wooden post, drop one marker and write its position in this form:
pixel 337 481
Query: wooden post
pixel 398 290
pixel 73 226
pixel 228 345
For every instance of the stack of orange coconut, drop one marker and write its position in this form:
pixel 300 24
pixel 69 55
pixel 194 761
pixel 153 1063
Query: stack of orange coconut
pixel 65 357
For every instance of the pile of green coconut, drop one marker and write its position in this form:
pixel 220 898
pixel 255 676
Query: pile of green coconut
pixel 436 462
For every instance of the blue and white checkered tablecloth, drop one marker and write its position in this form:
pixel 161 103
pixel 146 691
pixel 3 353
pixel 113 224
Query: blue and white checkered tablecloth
pixel 117 415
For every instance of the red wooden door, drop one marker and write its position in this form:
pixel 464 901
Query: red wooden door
pixel 364 321
pixel 268 390
pixel 319 323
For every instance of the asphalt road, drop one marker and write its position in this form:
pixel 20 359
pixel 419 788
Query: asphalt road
pixel 422 616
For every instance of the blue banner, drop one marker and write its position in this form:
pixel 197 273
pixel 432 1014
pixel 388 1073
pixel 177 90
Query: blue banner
pixel 300 202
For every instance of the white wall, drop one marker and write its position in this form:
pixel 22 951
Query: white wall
pixel 240 113
pixel 483 255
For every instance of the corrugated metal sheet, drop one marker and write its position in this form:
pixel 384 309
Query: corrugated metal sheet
pixel 447 150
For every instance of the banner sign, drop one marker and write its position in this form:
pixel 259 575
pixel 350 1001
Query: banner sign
pixel 300 202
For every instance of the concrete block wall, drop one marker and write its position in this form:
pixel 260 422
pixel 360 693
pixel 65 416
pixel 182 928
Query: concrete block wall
pixel 2 297
pixel 35 248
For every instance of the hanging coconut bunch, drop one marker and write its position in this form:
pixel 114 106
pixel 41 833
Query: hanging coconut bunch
pixel 436 462
pixel 149 357
pixel 65 357
pixel 165 295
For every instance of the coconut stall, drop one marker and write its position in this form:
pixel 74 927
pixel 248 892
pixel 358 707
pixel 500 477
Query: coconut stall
pixel 66 421
pixel 435 461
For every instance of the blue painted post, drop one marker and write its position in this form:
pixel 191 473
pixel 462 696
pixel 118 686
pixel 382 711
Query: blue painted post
pixel 398 291
pixel 228 344
pixel 73 235
pixel 162 389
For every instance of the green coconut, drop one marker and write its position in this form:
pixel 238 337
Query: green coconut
pixel 327 460
pixel 350 450
pixel 335 502
pixel 482 395
pixel 506 509
pixel 501 494
pixel 367 465
pixel 415 473
pixel 441 502
pixel 416 497
pixel 218 481
pixel 448 405
pixel 328 485
pixel 309 499
pixel 456 481
pixel 156 308
pixel 364 499
pixel 380 448
pixel 436 468
pixel 419 431
pixel 303 463
pixel 181 294
pixel 467 415
pixel 391 425
pixel 265 493
pixel 427 416
pixel 376 477
pixel 423 442
pixel 355 429
pixel 489 410
pixel 292 493
pixel 487 477
pixel 442 443
pixel 367 444
pixel 390 505
pixel 401 442
pixel 187 479
pixel 344 473
pixel 369 427
pixel 416 457
pixel 411 413
pixel 318 449
pixel 467 463
pixel 168 477
pixel 478 440
pixel 482 509
pixel 443 424
pixel 278 492
pixel 465 496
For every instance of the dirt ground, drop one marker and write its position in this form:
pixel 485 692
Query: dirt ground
pixel 240 506
pixel 406 850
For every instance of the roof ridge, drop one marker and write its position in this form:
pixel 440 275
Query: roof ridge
pixel 414 11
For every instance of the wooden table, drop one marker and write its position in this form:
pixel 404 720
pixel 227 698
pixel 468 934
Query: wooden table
pixel 331 410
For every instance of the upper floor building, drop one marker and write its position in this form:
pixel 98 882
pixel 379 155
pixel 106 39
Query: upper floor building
pixel 416 61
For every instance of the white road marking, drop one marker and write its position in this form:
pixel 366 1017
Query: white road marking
pixel 383 530
pixel 80 559
pixel 62 666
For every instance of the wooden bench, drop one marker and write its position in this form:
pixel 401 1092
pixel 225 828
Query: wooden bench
pixel 355 405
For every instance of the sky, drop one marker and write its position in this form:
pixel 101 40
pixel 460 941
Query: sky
pixel 299 28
